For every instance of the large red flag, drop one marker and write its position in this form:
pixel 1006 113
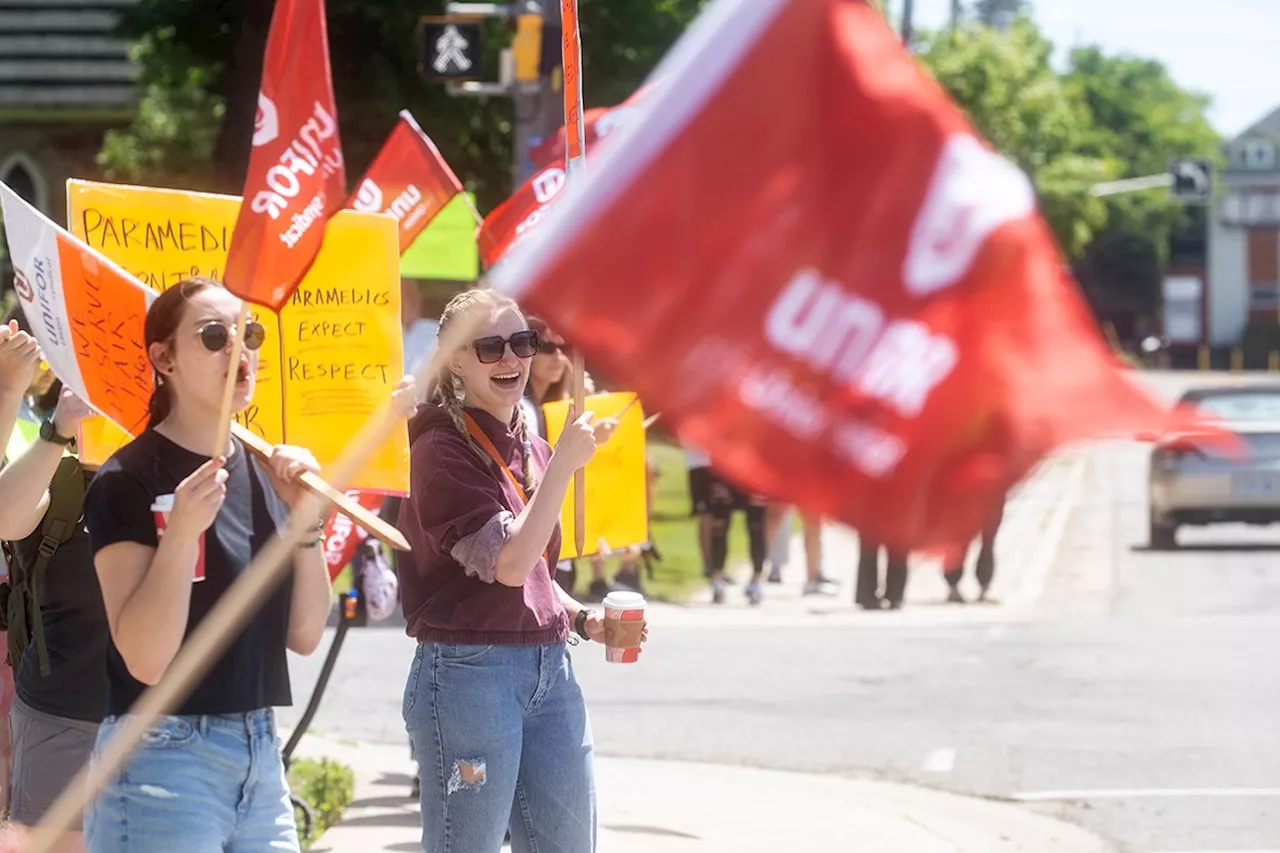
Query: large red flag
pixel 859 310
pixel 514 219
pixel 297 178
pixel 408 179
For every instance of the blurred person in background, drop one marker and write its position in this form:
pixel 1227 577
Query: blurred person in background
pixel 550 380
pixel 419 331
pixel 868 594
pixel 779 520
pixel 984 568
pixel 714 501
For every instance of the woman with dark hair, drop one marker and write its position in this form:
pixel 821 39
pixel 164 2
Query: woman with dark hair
pixel 171 530
pixel 550 379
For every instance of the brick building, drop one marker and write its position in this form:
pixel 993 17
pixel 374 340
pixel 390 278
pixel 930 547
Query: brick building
pixel 65 79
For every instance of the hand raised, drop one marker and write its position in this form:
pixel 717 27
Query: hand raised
pixel 198 498
pixel 19 353
pixel 286 465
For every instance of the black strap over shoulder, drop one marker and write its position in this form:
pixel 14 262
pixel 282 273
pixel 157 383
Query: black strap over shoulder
pixel 66 505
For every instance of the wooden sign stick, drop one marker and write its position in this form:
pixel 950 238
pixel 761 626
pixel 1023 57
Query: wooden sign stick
pixel 229 389
pixel 579 476
pixel 209 639
pixel 628 407
pixel 367 519
pixel 575 153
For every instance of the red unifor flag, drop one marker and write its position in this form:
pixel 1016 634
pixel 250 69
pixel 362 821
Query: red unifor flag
pixel 806 259
pixel 597 124
pixel 514 219
pixel 408 179
pixel 297 178
pixel 342 536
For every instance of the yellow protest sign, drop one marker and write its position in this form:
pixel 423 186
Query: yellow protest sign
pixel 617 513
pixel 332 355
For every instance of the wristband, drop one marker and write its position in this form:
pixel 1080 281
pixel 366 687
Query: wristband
pixel 580 623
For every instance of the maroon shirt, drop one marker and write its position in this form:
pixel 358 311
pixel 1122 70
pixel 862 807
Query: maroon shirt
pixel 455 496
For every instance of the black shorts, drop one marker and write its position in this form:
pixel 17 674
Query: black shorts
pixel 708 492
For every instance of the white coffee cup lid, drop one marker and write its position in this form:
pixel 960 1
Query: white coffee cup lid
pixel 624 600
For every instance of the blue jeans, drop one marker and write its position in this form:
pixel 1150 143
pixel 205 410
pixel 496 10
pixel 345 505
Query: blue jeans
pixel 502 741
pixel 210 784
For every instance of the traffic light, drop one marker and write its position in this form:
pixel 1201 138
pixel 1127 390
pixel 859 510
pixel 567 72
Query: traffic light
pixel 527 46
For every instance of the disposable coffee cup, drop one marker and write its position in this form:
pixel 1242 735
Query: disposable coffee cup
pixel 160 508
pixel 623 625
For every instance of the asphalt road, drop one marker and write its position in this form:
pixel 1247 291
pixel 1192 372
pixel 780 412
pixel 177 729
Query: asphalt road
pixel 1140 698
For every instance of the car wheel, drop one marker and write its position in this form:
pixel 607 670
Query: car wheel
pixel 1163 536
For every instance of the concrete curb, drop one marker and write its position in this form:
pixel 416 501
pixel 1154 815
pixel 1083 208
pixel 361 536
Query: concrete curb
pixel 670 807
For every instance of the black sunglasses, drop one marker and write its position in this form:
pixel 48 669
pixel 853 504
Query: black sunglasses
pixel 214 335
pixel 551 348
pixel 489 350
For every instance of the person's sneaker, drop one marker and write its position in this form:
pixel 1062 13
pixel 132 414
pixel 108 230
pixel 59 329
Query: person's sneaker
pixel 821 586
pixel 775 575
pixel 954 596
pixel 982 595
pixel 717 591
pixel 754 594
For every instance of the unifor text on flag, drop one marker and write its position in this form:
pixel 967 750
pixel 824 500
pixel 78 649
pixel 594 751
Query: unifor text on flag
pixel 409 179
pixel 857 309
pixel 297 175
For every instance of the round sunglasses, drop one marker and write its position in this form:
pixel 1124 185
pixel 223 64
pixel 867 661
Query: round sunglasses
pixel 489 350
pixel 215 335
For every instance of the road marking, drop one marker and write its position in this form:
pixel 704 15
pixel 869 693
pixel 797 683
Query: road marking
pixel 1272 850
pixel 1142 793
pixel 940 761
pixel 1035 573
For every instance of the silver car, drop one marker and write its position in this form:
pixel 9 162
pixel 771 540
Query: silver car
pixel 1198 482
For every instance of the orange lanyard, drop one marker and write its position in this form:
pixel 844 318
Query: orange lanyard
pixel 483 441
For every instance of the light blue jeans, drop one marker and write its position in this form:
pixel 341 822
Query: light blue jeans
pixel 211 784
pixel 502 741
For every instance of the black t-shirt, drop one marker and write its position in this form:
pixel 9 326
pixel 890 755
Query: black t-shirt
pixel 253 672
pixel 75 633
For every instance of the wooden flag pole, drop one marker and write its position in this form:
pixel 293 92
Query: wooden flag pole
pixel 579 476
pixel 208 641
pixel 575 152
pixel 315 484
pixel 229 389
pixel 471 206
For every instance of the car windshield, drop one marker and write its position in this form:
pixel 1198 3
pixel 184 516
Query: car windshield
pixel 1240 407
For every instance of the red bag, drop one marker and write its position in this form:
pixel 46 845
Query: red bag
pixel 803 256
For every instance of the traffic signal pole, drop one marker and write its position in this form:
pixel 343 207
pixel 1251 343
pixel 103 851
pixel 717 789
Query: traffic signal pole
pixel 529 70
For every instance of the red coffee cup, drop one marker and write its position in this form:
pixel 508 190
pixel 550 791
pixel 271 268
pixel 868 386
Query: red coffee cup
pixel 623 626
pixel 161 508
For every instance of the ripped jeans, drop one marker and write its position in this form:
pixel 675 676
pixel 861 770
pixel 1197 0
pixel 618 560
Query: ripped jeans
pixel 210 784
pixel 502 741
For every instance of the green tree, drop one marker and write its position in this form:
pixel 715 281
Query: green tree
pixel 1005 83
pixel 1000 13
pixel 1139 118
pixel 201 65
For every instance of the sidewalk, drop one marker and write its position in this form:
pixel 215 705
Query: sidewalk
pixel 1035 518
pixel 670 807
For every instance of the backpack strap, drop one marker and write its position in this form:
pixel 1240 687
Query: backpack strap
pixel 66 503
